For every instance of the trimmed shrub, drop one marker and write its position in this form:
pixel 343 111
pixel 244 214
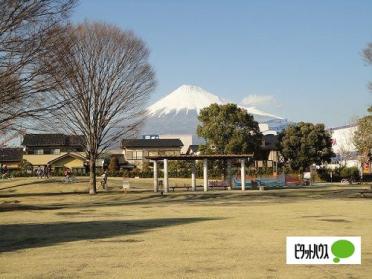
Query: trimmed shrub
pixel 351 173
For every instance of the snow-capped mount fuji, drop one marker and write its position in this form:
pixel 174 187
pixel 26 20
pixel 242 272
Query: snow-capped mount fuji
pixel 185 98
pixel 177 113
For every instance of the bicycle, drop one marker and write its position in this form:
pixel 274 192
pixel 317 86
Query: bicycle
pixel 69 179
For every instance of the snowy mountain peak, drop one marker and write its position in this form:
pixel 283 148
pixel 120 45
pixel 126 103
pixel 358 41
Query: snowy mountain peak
pixel 191 98
pixel 184 98
pixel 177 113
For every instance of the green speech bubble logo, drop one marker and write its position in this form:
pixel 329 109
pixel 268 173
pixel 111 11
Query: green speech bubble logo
pixel 342 249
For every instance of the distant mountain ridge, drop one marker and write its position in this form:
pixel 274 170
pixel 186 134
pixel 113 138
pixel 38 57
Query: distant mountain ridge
pixel 177 113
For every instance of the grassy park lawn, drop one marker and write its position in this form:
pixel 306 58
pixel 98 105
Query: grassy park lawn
pixel 54 230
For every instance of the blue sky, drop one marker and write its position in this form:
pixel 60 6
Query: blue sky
pixel 298 59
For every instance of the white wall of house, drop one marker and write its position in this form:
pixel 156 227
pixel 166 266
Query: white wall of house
pixel 343 146
pixel 136 156
pixel 342 138
pixel 263 127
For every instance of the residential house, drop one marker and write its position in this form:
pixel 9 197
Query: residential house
pixel 109 154
pixel 268 156
pixel 11 157
pixel 135 150
pixel 52 144
pixel 345 150
pixel 57 150
pixel 343 146
pixel 187 139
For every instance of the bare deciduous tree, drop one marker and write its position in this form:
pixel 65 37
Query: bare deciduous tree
pixel 27 30
pixel 363 135
pixel 104 79
pixel 367 54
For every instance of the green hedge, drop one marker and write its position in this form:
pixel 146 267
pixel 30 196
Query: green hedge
pixel 338 174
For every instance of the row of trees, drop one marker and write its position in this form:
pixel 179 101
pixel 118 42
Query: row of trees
pixel 90 79
pixel 228 129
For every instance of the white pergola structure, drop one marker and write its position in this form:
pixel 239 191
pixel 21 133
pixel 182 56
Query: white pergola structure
pixel 156 159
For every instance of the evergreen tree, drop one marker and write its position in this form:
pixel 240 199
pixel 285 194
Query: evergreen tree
pixel 363 136
pixel 304 144
pixel 228 129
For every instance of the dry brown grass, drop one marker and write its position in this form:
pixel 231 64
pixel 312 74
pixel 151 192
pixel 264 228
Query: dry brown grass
pixel 52 230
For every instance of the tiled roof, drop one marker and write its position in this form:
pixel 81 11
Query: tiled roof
pixel 151 143
pixel 52 140
pixel 193 148
pixel 70 154
pixel 11 154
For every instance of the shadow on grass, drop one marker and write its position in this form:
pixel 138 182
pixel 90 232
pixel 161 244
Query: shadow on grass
pixel 21 236
pixel 199 198
pixel 16 206
pixel 41 181
pixel 19 195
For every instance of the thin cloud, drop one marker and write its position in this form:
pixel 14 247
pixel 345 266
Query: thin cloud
pixel 256 100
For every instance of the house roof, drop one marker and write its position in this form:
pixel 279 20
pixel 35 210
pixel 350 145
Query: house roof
pixel 116 151
pixel 201 157
pixel 52 140
pixel 39 160
pixel 151 143
pixel 193 148
pixel 70 154
pixel 11 154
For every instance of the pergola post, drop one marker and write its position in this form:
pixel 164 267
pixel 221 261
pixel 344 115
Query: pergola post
pixel 229 178
pixel 156 180
pixel 165 182
pixel 205 174
pixel 242 173
pixel 193 177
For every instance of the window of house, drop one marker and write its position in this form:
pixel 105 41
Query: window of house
pixel 153 153
pixel 55 151
pixel 134 155
pixel 139 154
pixel 39 151
pixel 129 155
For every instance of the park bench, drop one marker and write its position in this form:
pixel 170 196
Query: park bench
pixel 173 188
pixel 217 184
pixel 187 187
pixel 225 187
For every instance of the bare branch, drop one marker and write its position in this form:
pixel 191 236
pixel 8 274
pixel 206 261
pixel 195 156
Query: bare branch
pixel 28 29
pixel 104 80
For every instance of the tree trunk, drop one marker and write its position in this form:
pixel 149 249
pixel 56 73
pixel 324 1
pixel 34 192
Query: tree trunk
pixel 92 175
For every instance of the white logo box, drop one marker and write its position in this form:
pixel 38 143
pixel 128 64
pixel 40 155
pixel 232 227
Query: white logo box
pixel 321 242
